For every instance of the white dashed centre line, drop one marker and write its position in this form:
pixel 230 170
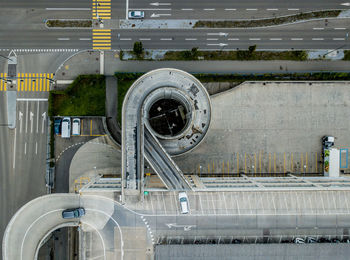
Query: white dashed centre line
pixel 338 39
pixel 275 39
pixel 191 39
pixel 272 9
pixel 233 39
pixel 230 9
pixel 293 9
pixel 85 39
pixel 252 9
pixel 209 9
pixel 187 9
pixel 125 39
pixel 63 39
pixel 296 39
pixel 317 39
pixel 318 28
pixel 212 39
pixel 145 39
pixel 254 39
pixel 166 39
pixel 340 28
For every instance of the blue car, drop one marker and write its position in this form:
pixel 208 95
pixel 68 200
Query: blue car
pixel 57 126
pixel 73 213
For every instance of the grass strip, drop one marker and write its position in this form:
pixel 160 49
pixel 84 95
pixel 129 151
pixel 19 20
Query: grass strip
pixel 69 23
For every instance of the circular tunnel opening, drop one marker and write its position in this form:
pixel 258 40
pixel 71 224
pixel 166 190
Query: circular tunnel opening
pixel 167 117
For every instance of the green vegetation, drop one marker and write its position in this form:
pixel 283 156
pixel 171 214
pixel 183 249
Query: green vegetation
pixel 84 97
pixel 346 55
pixel 138 49
pixel 52 143
pixel 250 54
pixel 69 23
pixel 268 21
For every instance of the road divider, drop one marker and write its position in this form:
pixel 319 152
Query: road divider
pixel 68 23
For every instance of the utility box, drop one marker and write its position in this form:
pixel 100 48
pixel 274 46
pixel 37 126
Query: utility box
pixel 331 162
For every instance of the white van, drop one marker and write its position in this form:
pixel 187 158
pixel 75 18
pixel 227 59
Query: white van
pixel 66 127
pixel 184 203
pixel 76 126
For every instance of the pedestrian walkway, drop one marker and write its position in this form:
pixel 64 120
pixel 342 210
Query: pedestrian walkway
pixel 34 81
pixel 101 9
pixel 3 83
pixel 101 39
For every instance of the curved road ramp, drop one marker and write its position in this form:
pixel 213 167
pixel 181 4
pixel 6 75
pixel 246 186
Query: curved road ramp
pixel 165 112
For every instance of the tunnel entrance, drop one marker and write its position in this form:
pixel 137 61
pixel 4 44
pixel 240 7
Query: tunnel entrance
pixel 167 117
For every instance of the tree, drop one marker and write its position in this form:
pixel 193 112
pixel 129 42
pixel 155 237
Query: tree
pixel 138 49
pixel 252 48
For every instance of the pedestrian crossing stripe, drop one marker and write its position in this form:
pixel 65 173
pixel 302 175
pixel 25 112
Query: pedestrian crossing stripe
pixel 34 81
pixel 101 39
pixel 3 84
pixel 101 9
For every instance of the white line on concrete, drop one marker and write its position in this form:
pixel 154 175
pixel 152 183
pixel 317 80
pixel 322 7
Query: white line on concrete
pixel 252 9
pixel 63 82
pixel 85 39
pixel 144 39
pixel 31 121
pixel 230 9
pixel 233 39
pixel 339 28
pixel 152 9
pixel 36 147
pixel 296 39
pixel 318 28
pixel 68 9
pixel 187 9
pixel 272 9
pixel 125 39
pixel 191 39
pixel 254 39
pixel 14 150
pixel 26 117
pixel 212 39
pixel 31 99
pixel 293 9
pixel 338 39
pixel 275 39
pixel 37 118
pixel 166 39
pixel 63 39
pixel 209 9
pixel 25 148
pixel 317 39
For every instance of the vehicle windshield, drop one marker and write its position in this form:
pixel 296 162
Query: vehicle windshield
pixel 183 200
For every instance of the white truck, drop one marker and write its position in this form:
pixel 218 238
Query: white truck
pixel 331 157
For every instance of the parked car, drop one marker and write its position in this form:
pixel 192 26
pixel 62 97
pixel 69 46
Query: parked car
pixel 57 126
pixel 183 203
pixel 76 126
pixel 73 213
pixel 66 127
pixel 323 240
pixel 136 14
pixel 310 240
pixel 299 240
pixel 335 240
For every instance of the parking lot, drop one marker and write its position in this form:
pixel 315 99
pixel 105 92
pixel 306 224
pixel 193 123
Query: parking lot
pixel 272 128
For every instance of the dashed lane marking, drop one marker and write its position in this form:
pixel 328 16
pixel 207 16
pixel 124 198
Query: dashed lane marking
pixel 317 39
pixel 296 39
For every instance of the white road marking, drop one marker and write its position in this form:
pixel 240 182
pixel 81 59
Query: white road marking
pixel 166 39
pixel 68 9
pixel 317 39
pixel 31 121
pixel 125 39
pixel 85 39
pixel 209 9
pixel 191 39
pixel 338 39
pixel 217 44
pixel 296 39
pixel 233 39
pixel 318 28
pixel 339 28
pixel 20 118
pixel 252 9
pixel 159 15
pixel 275 39
pixel 127 10
pixel 27 117
pixel 220 34
pixel 36 147
pixel 14 150
pixel 37 119
pixel 25 148
pixel 272 9
pixel 158 4
pixel 151 9
pixel 31 99
pixel 230 9
pixel 144 39
pixel 63 39
pixel 212 39
pixel 293 9
pixel 43 124
pixel 254 39
pixel 187 9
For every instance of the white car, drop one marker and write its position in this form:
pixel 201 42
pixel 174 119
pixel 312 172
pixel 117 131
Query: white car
pixel 76 126
pixel 66 127
pixel 136 14
pixel 185 209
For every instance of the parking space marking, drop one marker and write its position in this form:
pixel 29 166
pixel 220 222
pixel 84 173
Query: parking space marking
pixel 176 203
pixel 151 202
pixel 200 203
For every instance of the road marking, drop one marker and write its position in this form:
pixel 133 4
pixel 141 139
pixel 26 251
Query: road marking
pixel 25 148
pixel 158 4
pixel 37 119
pixel 209 9
pixel 44 118
pixel 233 39
pixel 20 115
pixel 85 39
pixel 36 147
pixel 151 9
pixel 338 39
pixel 32 99
pixel 68 9
pixel 63 39
pixel 318 28
pixel 275 39
pixel 220 34
pixel 27 117
pixel 296 39
pixel 272 9
pixel 191 39
pixel 159 15
pixel 217 44
pixel 144 39
pixel 339 28
pixel 212 39
pixel 14 150
pixel 254 39
pixel 230 9
pixel 166 39
pixel 252 9
pixel 31 121
pixel 293 9
pixel 317 39
pixel 125 39
pixel 187 9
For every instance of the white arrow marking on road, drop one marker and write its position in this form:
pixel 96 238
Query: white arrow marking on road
pixel 31 121
pixel 37 119
pixel 346 4
pixel 159 15
pixel 27 118
pixel 217 44
pixel 158 4
pixel 36 147
pixel 44 119
pixel 20 121
pixel 220 34
pixel 185 227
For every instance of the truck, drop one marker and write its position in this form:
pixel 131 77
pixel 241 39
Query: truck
pixel 331 157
